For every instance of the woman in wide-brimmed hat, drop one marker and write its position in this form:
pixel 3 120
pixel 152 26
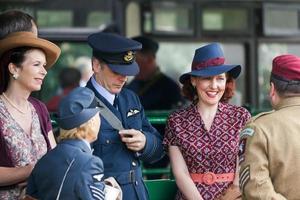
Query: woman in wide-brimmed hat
pixel 202 139
pixel 25 128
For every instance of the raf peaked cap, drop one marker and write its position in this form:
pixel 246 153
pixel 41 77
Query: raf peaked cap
pixel 116 51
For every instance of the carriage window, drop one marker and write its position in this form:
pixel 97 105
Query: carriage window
pixel 171 18
pixel 281 19
pixel 57 19
pixel 225 19
pixel 96 19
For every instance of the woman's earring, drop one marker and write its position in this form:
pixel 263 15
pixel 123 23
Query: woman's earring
pixel 15 76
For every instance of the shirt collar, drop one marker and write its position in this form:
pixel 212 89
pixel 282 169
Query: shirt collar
pixel 87 143
pixel 287 102
pixel 104 92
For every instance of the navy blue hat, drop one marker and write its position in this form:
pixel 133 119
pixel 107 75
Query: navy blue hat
pixel 209 61
pixel 76 108
pixel 116 51
pixel 148 44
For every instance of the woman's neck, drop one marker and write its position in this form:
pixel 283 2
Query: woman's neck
pixel 207 113
pixel 17 96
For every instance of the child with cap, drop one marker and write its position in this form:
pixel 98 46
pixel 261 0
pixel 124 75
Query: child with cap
pixel 269 144
pixel 70 171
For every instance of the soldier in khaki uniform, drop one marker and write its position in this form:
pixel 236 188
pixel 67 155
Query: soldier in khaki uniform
pixel 270 143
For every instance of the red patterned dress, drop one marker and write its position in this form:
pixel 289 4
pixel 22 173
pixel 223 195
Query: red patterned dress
pixel 207 151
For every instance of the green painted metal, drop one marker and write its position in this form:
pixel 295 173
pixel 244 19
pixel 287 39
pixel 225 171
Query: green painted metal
pixel 161 189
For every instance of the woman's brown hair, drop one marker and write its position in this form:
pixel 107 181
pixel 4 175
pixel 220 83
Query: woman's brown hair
pixel 191 94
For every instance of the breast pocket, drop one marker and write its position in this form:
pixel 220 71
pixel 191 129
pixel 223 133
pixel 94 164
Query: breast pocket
pixel 134 121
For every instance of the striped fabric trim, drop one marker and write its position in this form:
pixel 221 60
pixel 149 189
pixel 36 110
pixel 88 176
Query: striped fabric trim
pixel 97 193
pixel 244 177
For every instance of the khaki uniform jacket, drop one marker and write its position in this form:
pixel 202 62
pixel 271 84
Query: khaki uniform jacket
pixel 270 154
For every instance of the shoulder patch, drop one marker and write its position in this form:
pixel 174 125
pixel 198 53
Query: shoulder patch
pixel 261 114
pixel 247 132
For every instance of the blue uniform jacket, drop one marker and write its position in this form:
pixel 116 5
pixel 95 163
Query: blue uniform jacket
pixel 83 180
pixel 119 162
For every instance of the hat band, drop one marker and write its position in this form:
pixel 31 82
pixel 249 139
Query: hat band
pixel 116 58
pixel 208 63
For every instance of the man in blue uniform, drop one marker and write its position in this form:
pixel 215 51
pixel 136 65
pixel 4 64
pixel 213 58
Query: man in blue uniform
pixel 122 150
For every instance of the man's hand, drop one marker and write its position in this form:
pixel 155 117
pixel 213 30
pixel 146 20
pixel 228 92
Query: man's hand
pixel 232 193
pixel 135 140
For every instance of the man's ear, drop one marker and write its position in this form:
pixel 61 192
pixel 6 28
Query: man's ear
pixel 273 95
pixel 96 64
pixel 272 90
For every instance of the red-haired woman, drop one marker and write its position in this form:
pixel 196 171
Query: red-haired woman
pixel 202 139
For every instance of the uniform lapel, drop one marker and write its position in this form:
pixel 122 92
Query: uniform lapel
pixel 111 107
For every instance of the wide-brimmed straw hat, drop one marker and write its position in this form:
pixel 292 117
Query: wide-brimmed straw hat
pixel 209 61
pixel 28 39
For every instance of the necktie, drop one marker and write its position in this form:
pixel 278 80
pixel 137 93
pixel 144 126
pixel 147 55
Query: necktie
pixel 115 104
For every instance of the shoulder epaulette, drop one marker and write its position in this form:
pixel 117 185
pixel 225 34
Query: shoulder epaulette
pixel 261 114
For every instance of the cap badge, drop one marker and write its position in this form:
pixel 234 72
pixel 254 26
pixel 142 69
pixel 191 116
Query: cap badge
pixel 129 56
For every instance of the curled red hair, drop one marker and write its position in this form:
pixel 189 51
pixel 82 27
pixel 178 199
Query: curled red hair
pixel 191 94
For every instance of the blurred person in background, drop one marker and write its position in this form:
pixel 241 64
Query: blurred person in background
pixel 155 90
pixel 84 65
pixel 69 79
pixel 15 20
pixel 202 139
pixel 25 129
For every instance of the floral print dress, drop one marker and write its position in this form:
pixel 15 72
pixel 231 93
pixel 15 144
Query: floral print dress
pixel 24 148
pixel 214 151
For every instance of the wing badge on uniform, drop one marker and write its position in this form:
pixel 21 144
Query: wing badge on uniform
pixel 132 112
pixel 97 177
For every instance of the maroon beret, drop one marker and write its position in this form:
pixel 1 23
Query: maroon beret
pixel 287 67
